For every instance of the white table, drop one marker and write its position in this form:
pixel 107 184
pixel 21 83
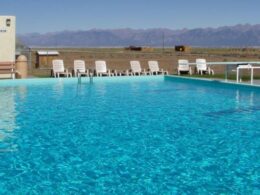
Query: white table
pixel 234 63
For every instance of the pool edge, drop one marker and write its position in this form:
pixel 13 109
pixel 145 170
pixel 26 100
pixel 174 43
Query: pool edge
pixel 215 81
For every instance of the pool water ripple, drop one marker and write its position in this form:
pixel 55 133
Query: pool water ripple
pixel 151 136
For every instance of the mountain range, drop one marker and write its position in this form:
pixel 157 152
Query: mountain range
pixel 227 36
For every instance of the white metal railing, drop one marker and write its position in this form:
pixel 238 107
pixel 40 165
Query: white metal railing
pixel 239 65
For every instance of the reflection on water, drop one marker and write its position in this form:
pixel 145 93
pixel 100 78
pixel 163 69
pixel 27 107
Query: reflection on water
pixel 22 92
pixel 58 89
pixel 7 109
pixel 249 99
pixel 101 89
pixel 244 104
pixel 8 114
pixel 8 117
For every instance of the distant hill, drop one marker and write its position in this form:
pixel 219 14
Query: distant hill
pixel 227 36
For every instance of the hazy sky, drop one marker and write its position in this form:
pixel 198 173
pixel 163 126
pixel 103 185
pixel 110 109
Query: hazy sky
pixel 57 15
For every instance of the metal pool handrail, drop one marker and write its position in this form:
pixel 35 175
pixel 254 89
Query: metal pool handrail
pixel 90 77
pixel 229 64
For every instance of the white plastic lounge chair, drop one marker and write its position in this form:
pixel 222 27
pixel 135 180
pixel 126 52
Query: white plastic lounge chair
pixel 183 66
pixel 101 68
pixel 202 67
pixel 154 68
pixel 80 68
pixel 136 68
pixel 58 69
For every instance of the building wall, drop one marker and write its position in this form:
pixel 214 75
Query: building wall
pixel 7 41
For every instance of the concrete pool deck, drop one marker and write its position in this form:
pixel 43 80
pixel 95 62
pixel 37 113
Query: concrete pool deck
pixel 35 80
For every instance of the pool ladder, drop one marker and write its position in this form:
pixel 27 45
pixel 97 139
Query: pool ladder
pixel 90 78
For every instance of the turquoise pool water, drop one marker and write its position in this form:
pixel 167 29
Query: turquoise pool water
pixel 144 135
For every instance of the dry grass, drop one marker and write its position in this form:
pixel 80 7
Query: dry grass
pixel 118 58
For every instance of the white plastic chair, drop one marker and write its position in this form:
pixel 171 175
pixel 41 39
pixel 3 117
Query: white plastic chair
pixel 183 66
pixel 154 68
pixel 80 68
pixel 101 68
pixel 202 67
pixel 136 68
pixel 58 69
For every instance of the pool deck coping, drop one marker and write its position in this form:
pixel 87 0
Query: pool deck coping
pixel 129 77
pixel 215 80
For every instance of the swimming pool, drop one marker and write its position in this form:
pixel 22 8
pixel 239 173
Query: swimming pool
pixel 143 135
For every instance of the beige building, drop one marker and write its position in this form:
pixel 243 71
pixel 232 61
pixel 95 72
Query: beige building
pixel 7 43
